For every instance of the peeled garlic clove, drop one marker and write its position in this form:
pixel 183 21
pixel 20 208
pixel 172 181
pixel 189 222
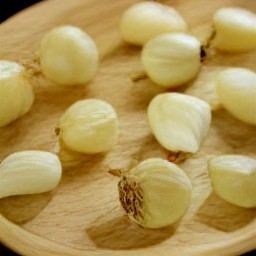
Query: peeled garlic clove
pixel 89 126
pixel 16 93
pixel 235 29
pixel 29 172
pixel 171 60
pixel 68 56
pixel 179 122
pixel 234 179
pixel 143 21
pixel 236 89
pixel 155 193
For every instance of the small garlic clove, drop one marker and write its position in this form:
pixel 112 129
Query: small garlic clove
pixel 143 21
pixel 236 89
pixel 234 179
pixel 179 122
pixel 16 93
pixel 68 56
pixel 155 193
pixel 171 60
pixel 235 29
pixel 89 126
pixel 29 172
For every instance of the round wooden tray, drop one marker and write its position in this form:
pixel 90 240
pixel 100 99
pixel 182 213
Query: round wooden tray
pixel 82 216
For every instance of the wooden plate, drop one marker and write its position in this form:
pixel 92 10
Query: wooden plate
pixel 82 216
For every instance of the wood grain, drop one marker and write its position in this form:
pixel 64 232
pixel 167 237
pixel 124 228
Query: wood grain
pixel 82 216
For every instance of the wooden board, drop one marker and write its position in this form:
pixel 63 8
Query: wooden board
pixel 82 216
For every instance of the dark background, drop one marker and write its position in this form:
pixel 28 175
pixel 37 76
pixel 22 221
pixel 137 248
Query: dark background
pixel 8 8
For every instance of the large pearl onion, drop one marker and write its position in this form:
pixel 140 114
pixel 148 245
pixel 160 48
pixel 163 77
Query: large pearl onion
pixel 155 193
pixel 143 21
pixel 179 122
pixel 234 179
pixel 68 56
pixel 89 126
pixel 236 89
pixel 29 172
pixel 235 29
pixel 171 60
pixel 16 93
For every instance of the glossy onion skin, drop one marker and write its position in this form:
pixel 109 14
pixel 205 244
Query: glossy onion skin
pixel 89 126
pixel 166 193
pixel 144 21
pixel 16 92
pixel 29 172
pixel 68 56
pixel 179 122
pixel 236 89
pixel 235 30
pixel 171 60
pixel 234 179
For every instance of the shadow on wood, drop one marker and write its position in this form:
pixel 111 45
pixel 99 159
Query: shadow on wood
pixel 223 215
pixel 20 209
pixel 116 232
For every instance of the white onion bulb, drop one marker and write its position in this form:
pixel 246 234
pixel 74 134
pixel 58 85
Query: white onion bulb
pixel 89 126
pixel 29 172
pixel 16 93
pixel 171 60
pixel 234 179
pixel 236 89
pixel 68 56
pixel 179 122
pixel 143 21
pixel 155 193
pixel 235 29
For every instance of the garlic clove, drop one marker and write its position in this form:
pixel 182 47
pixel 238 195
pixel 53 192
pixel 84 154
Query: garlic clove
pixel 171 60
pixel 155 193
pixel 235 29
pixel 233 178
pixel 89 126
pixel 179 122
pixel 144 21
pixel 68 56
pixel 236 89
pixel 29 172
pixel 16 93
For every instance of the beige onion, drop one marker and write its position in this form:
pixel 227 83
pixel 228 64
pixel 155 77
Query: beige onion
pixel 171 60
pixel 143 21
pixel 29 172
pixel 236 89
pixel 179 122
pixel 155 193
pixel 234 179
pixel 68 56
pixel 235 29
pixel 16 93
pixel 89 126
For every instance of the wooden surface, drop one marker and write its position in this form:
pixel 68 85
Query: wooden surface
pixel 82 216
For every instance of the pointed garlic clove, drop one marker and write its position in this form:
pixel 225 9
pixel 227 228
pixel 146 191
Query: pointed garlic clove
pixel 172 59
pixel 236 89
pixel 179 122
pixel 68 56
pixel 29 172
pixel 155 193
pixel 234 179
pixel 235 29
pixel 144 21
pixel 16 93
pixel 89 126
